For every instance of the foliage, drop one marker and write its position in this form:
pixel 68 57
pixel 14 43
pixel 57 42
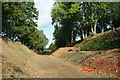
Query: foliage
pixel 83 19
pixel 115 14
pixel 60 37
pixel 52 47
pixel 63 17
pixel 18 21
pixel 37 40
pixel 18 16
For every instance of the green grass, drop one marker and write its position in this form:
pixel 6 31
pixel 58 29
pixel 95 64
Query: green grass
pixel 102 41
pixel 8 75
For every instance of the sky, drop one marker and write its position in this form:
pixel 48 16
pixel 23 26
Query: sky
pixel 44 19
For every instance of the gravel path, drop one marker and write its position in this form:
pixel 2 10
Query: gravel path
pixel 51 67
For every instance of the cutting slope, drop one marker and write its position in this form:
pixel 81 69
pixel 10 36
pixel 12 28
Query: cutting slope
pixel 15 57
pixel 18 61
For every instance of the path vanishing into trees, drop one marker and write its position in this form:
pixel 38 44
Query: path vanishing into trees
pixel 52 67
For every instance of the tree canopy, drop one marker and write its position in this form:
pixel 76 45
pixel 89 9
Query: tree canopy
pixel 18 22
pixel 82 19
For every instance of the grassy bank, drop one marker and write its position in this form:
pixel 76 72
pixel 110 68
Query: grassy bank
pixel 102 41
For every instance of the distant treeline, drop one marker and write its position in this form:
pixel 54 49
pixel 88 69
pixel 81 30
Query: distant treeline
pixel 82 19
pixel 18 23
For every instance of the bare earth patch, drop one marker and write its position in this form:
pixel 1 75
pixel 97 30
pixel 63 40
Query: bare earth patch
pixel 106 62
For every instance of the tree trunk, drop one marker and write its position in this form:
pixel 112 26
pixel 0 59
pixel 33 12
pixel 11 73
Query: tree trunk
pixel 83 34
pixel 102 30
pixel 92 28
pixel 94 32
pixel 72 36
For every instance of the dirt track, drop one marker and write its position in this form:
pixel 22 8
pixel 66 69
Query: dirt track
pixel 40 66
pixel 51 67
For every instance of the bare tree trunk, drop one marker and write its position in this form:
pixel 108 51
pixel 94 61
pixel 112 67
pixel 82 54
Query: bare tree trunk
pixel 83 34
pixel 92 28
pixel 94 32
pixel 102 30
pixel 72 36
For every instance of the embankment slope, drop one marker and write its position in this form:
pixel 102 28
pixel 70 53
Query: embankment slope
pixel 100 53
pixel 102 41
pixel 16 60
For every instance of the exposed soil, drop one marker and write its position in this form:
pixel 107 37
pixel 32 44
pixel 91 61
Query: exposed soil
pixel 104 61
pixel 46 67
pixel 10 69
pixel 16 60
pixel 109 63
pixel 20 62
pixel 51 67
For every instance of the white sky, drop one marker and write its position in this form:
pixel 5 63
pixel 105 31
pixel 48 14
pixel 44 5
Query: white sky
pixel 44 19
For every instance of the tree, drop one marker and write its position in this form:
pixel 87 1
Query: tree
pixel 39 40
pixel 52 47
pixel 59 37
pixel 63 16
pixel 92 13
pixel 115 14
pixel 82 19
pixel 18 17
pixel 18 23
